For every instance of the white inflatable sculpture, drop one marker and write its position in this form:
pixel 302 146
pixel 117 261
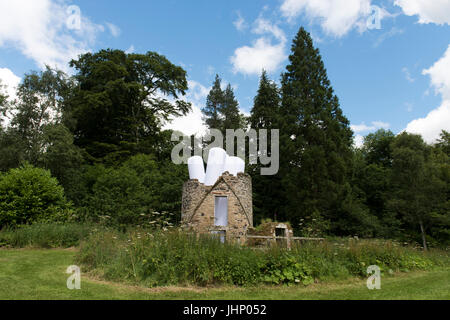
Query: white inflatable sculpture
pixel 196 168
pixel 215 165
pixel 218 163
pixel 234 165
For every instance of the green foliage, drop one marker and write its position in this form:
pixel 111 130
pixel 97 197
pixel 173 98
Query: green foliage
pixel 444 142
pixel 38 280
pixel 178 258
pixel 222 109
pixel 313 226
pixel 168 258
pixel 315 139
pixel 214 101
pixel 30 194
pixel 410 180
pixel 12 148
pixel 61 156
pixel 117 103
pixel 136 193
pixel 268 191
pixel 283 267
pixel 45 235
pixel 232 119
pixel 377 147
pixel 3 104
pixel 39 103
pixel 266 105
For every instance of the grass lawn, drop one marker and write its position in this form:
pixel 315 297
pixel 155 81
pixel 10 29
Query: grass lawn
pixel 40 274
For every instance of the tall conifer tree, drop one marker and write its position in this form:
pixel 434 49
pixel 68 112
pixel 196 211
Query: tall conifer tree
pixel 214 102
pixel 266 104
pixel 315 138
pixel 267 190
pixel 230 110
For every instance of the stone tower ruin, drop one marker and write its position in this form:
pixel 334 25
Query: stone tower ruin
pixel 224 208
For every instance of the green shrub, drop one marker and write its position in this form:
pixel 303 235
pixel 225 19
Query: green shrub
pixel 285 267
pixel 163 258
pixel 30 194
pixel 127 195
pixel 41 235
pixel 177 258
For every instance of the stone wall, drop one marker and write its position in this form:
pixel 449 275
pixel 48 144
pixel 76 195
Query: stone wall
pixel 197 211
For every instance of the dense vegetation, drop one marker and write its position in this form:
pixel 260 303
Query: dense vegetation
pixel 50 265
pixel 154 257
pixel 90 148
pixel 174 258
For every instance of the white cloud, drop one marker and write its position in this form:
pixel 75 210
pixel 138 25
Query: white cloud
pixel 365 128
pixel 409 106
pixel 438 119
pixel 130 50
pixel 430 127
pixel 361 127
pixel 39 29
pixel 262 54
pixel 336 17
pixel 381 125
pixel 240 23
pixel 386 35
pixel 115 30
pixel 10 82
pixel 440 75
pixel 408 75
pixel 263 26
pixel 189 124
pixel 358 141
pixel 192 123
pixel 429 11
pixel 197 91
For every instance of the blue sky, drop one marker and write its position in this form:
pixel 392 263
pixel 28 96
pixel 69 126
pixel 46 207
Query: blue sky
pixel 392 75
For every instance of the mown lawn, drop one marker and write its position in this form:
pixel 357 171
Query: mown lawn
pixel 40 274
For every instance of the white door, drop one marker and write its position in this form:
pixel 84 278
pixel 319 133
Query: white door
pixel 221 211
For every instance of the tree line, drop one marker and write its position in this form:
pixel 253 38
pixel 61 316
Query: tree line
pixel 99 133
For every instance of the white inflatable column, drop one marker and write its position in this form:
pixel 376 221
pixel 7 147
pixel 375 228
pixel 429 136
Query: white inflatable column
pixel 215 166
pixel 234 165
pixel 196 168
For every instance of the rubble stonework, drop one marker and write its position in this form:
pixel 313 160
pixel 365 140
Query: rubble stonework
pixel 197 209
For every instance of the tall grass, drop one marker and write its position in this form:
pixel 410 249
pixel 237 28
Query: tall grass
pixel 177 258
pixel 51 235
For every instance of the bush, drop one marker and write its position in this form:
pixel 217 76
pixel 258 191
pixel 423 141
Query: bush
pixel 44 235
pixel 125 196
pixel 30 194
pixel 177 258
pixel 163 258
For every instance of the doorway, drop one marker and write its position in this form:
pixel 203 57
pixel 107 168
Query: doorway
pixel 221 211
